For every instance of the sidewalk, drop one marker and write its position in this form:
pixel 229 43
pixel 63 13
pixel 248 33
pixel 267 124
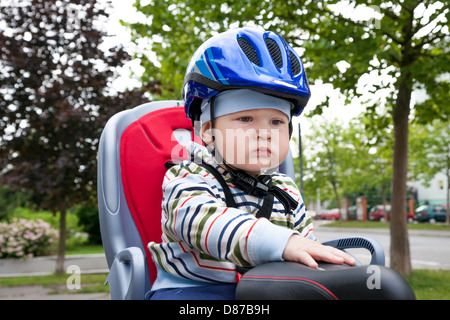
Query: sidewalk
pixel 47 293
pixel 91 263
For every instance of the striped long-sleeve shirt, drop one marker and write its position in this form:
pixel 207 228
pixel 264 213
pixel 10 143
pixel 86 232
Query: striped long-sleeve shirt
pixel 203 240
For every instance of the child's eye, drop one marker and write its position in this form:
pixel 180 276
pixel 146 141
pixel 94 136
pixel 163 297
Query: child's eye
pixel 276 122
pixel 245 119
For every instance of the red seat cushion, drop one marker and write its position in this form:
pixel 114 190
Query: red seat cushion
pixel 146 145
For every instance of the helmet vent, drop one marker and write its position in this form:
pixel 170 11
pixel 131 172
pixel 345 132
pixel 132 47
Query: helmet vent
pixel 275 52
pixel 295 64
pixel 249 51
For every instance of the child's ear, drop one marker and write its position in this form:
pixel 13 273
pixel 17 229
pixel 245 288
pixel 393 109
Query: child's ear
pixel 205 133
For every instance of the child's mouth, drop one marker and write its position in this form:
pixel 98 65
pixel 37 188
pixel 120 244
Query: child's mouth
pixel 263 152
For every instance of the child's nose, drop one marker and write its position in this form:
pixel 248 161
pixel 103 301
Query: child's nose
pixel 264 134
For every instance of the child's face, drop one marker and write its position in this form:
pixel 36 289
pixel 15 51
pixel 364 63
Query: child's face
pixel 253 140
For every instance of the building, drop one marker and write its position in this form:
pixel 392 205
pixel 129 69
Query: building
pixel 435 193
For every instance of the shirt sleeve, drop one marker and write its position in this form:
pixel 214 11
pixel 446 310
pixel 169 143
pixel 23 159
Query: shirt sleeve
pixel 194 213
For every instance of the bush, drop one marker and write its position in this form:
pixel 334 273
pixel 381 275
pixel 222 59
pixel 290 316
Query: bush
pixel 89 222
pixel 25 238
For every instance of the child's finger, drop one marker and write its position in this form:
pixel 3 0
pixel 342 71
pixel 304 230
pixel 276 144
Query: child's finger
pixel 306 259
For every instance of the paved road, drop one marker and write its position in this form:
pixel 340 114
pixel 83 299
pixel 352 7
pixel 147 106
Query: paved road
pixel 90 263
pixel 430 249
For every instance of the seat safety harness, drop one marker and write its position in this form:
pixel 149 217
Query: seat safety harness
pixel 259 187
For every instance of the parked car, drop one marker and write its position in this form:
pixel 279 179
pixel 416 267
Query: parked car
pixel 431 213
pixel 377 213
pixel 332 214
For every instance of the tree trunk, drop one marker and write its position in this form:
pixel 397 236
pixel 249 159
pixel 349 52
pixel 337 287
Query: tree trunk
pixel 400 254
pixel 384 202
pixel 62 241
pixel 447 218
pixel 338 199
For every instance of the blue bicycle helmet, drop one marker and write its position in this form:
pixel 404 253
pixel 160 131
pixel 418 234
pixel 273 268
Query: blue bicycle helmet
pixel 248 58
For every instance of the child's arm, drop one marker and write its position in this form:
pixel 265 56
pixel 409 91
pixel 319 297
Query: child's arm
pixel 302 248
pixel 306 251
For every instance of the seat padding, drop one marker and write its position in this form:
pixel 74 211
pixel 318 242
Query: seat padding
pixel 145 146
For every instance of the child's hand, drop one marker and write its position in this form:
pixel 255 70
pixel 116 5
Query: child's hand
pixel 306 251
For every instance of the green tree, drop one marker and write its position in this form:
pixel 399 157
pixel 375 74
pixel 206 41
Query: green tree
pixel 55 98
pixel 325 160
pixel 375 129
pixel 405 40
pixel 345 157
pixel 430 153
pixel 9 200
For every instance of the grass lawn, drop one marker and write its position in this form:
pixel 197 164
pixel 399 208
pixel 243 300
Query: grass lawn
pixel 84 249
pixel 431 284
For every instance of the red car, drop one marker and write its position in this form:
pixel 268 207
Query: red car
pixel 377 213
pixel 332 214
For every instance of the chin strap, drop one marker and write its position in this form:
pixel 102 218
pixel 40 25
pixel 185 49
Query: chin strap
pixel 262 187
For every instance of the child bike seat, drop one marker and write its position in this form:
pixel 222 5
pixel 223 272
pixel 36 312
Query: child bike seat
pixel 134 147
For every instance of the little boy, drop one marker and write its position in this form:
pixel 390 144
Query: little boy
pixel 228 208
